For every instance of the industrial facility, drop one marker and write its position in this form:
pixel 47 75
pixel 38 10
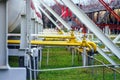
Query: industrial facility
pixel 79 39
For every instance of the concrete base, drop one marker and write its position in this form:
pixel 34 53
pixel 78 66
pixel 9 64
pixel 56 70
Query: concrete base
pixel 13 74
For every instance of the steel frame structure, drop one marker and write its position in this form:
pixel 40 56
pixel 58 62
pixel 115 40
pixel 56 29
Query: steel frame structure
pixel 5 69
pixel 92 26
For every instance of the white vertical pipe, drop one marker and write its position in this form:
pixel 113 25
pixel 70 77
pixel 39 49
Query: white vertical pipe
pixel 92 26
pixel 84 57
pixel 33 23
pixel 28 20
pixel 3 33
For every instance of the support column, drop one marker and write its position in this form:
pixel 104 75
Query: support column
pixel 33 28
pixel 84 57
pixel 28 18
pixel 3 34
pixel 33 23
pixel 23 39
pixel 20 73
pixel 36 27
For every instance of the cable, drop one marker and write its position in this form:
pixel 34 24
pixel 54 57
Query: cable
pixel 104 64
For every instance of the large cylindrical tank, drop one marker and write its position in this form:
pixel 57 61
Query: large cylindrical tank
pixel 15 8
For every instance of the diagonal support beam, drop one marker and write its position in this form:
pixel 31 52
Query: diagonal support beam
pixel 106 56
pixel 110 10
pixel 50 18
pixel 92 26
pixel 116 39
pixel 67 26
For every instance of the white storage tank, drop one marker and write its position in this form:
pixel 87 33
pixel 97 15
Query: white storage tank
pixel 15 8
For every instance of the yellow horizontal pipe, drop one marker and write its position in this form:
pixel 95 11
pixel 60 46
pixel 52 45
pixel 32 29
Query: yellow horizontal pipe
pixel 58 43
pixel 38 42
pixel 54 36
pixel 54 39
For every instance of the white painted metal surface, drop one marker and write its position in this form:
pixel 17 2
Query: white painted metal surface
pixel 3 34
pixel 92 26
pixel 15 8
pixel 106 56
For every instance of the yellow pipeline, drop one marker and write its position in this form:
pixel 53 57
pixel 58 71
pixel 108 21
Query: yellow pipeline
pixel 55 36
pixel 52 43
pixel 90 45
pixel 94 46
pixel 54 39
pixel 81 50
pixel 71 42
pixel 59 43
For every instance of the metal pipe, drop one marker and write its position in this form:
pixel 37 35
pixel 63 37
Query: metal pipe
pixel 92 26
pixel 67 26
pixel 52 43
pixel 110 9
pixel 34 66
pixel 32 28
pixel 84 57
pixel 30 66
pixel 28 21
pixel 78 67
pixel 3 34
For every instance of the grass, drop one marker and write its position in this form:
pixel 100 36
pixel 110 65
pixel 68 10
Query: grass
pixel 61 57
pixel 58 57
pixel 13 61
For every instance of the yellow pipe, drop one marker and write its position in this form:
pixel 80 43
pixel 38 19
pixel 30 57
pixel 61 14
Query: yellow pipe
pixel 81 50
pixel 55 36
pixel 59 43
pixel 13 41
pixel 38 42
pixel 94 46
pixel 54 39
